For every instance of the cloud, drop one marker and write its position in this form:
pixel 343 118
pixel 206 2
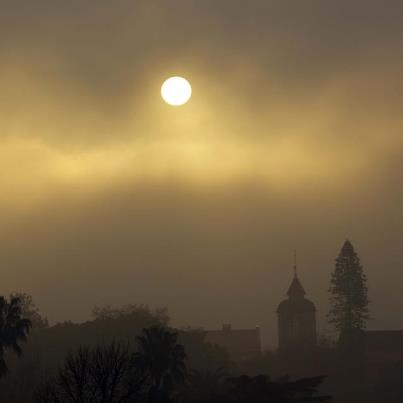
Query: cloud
pixel 293 137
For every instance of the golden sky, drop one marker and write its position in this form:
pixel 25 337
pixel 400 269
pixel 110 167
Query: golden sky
pixel 293 138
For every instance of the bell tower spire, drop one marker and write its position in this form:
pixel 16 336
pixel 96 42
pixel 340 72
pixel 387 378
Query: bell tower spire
pixel 296 318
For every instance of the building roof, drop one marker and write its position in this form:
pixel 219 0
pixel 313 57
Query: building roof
pixel 240 343
pixel 296 290
pixel 296 301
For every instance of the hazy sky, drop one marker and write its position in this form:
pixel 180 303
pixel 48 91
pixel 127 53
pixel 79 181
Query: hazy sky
pixel 293 139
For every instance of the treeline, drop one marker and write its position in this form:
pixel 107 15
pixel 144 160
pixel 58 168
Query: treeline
pixel 129 354
pixel 155 372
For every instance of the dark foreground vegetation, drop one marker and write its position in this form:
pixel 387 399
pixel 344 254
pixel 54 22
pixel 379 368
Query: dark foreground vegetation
pixel 155 372
pixel 133 355
pixel 126 355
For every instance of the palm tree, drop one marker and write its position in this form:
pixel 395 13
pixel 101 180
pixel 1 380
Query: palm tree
pixel 13 329
pixel 164 360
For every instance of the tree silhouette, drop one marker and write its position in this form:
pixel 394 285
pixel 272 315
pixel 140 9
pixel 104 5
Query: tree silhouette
pixel 164 360
pixel 102 375
pixel 13 329
pixel 132 312
pixel 349 293
pixel 30 311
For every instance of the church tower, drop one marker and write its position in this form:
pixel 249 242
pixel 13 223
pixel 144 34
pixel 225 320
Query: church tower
pixel 296 320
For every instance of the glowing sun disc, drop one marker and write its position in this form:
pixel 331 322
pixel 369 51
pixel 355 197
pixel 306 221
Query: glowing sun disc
pixel 176 91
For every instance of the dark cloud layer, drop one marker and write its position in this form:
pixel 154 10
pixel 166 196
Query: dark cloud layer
pixel 293 139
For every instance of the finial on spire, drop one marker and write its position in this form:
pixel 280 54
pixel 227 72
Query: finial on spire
pixel 295 262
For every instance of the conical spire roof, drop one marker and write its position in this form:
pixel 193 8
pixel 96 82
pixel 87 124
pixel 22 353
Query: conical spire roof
pixel 296 290
pixel 296 301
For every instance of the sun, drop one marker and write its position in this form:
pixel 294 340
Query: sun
pixel 176 91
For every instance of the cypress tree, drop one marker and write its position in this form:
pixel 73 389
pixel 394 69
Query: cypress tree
pixel 348 292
